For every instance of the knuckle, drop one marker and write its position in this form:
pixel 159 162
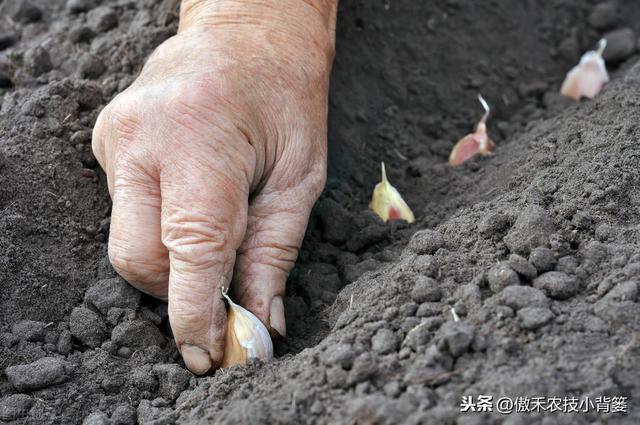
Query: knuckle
pixel 267 252
pixel 191 311
pixel 187 316
pixel 125 122
pixel 196 239
pixel 315 180
pixel 117 125
pixel 194 102
pixel 98 136
pixel 134 267
pixel 318 179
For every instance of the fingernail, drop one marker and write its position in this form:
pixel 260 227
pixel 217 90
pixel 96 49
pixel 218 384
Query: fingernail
pixel 197 360
pixel 276 316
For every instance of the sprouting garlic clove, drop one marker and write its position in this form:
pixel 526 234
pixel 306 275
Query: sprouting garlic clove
pixel 588 77
pixel 388 203
pixel 246 337
pixel 476 143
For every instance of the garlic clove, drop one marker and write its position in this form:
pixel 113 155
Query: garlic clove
pixel 588 77
pixel 477 143
pixel 388 203
pixel 465 149
pixel 246 337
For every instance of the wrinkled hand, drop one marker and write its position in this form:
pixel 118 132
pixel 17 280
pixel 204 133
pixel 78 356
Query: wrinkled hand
pixel 214 158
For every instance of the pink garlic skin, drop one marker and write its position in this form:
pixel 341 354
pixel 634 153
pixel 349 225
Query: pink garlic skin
pixel 588 77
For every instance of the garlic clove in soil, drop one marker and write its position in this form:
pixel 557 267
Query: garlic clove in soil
pixel 387 202
pixel 477 143
pixel 588 77
pixel 246 337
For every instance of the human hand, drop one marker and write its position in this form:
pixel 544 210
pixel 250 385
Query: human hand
pixel 214 157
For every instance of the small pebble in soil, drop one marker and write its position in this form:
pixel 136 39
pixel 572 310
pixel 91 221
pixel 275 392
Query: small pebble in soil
pixel 5 80
pixel 408 309
pixel 493 223
pixel 112 384
pixel 87 326
pixel 137 334
pixel 124 352
pixel 426 265
pixel 603 16
pixel 425 289
pixel 429 309
pixel 29 330
pixel 8 340
pixel 37 61
pixel 542 259
pixel 409 323
pixel 502 275
pixel 623 291
pixel 534 317
pixel 621 44
pixel 173 380
pixel 64 345
pixel 392 388
pixel 42 373
pixel 150 413
pixel 417 337
pixel 384 341
pixel 518 297
pixel 433 364
pixel 114 292
pixel 90 66
pixel 109 347
pixel 455 338
pixel 364 367
pixel 426 242
pixel 339 354
pixel 389 313
pixel 15 407
pixel 336 377
pixel 532 228
pixel 143 379
pixel 618 311
pixel 469 294
pixel 77 6
pixel 23 11
pixel 124 414
pixel 82 34
pixel 567 264
pixel 522 266
pixel 102 19
pixel 7 39
pixel 97 418
pixel 116 315
pixel 557 285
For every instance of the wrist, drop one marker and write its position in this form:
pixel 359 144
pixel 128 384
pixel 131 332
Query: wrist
pixel 313 19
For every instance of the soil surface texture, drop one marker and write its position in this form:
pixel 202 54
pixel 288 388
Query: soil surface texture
pixel 519 278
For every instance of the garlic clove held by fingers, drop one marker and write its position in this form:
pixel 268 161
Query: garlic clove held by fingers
pixel 588 77
pixel 387 202
pixel 476 143
pixel 246 337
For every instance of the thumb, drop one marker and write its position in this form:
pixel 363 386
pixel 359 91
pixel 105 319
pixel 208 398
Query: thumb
pixel 276 224
pixel 203 222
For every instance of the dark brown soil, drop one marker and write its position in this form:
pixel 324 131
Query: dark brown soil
pixel 537 248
